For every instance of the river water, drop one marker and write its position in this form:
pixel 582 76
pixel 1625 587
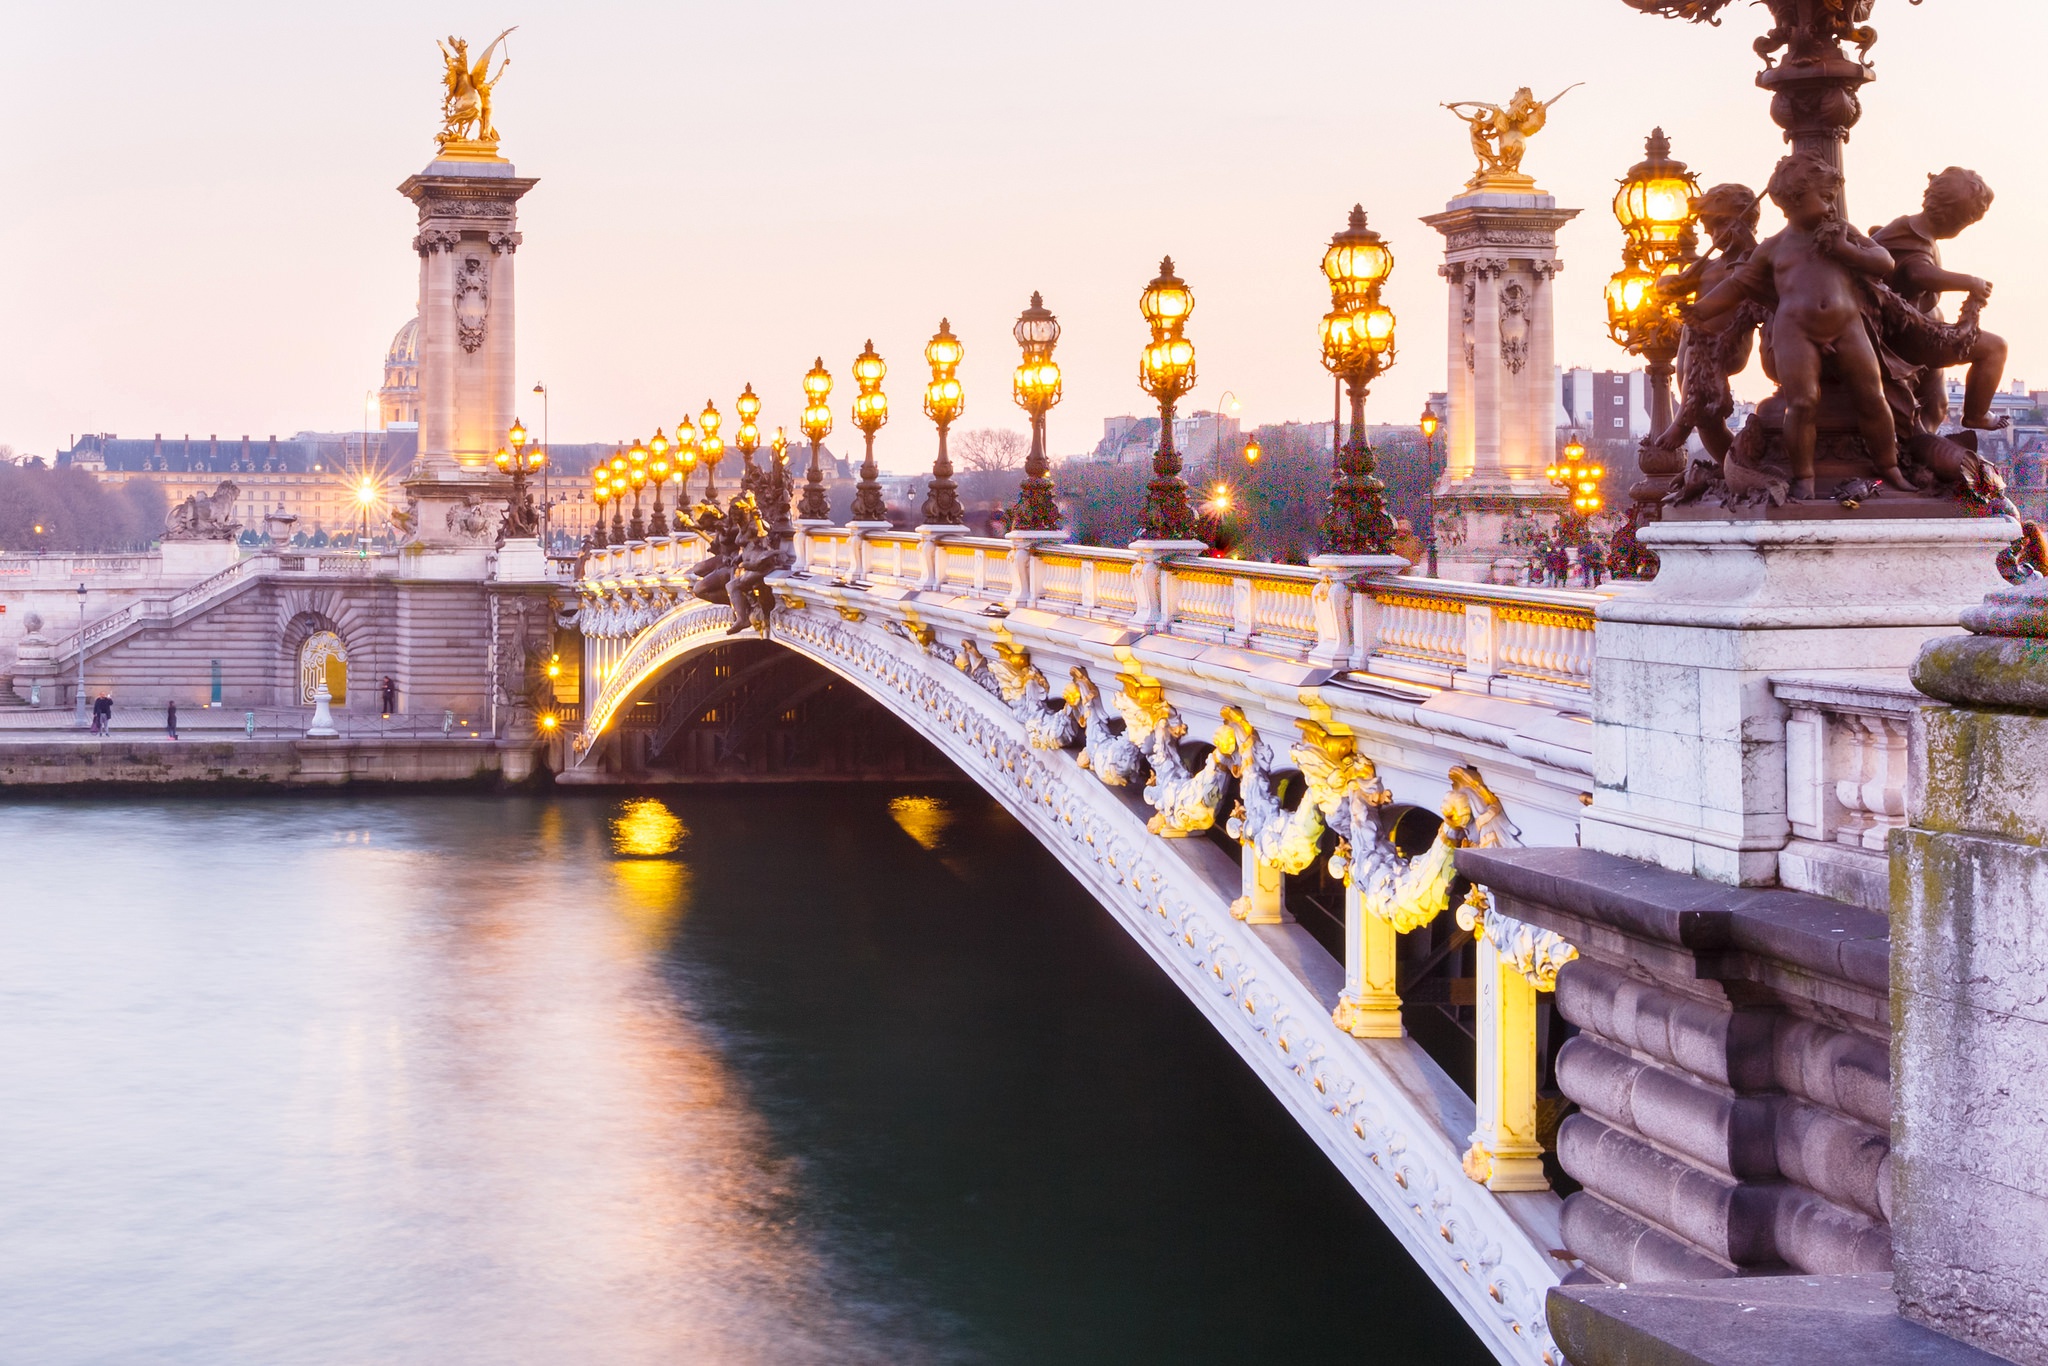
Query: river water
pixel 806 1075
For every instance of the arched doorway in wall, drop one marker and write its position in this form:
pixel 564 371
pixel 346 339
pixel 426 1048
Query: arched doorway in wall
pixel 323 658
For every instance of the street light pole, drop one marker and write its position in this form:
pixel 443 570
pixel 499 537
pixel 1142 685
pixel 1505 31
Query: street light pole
pixel 78 710
pixel 1429 426
pixel 546 520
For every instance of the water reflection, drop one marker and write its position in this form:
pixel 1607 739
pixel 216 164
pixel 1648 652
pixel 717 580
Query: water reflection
pixel 726 1078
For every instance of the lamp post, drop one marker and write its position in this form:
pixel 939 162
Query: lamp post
pixel 78 710
pixel 1358 347
pixel 600 493
pixel 710 446
pixel 620 485
pixel 546 519
pixel 657 475
pixel 748 437
pixel 817 425
pixel 870 412
pixel 777 480
pixel 944 401
pixel 1166 371
pixel 636 476
pixel 521 519
pixel 1429 424
pixel 1655 209
pixel 1575 476
pixel 366 494
pixel 686 447
pixel 1036 388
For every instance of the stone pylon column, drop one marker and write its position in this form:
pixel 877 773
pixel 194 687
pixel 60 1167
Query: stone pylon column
pixel 1500 257
pixel 467 240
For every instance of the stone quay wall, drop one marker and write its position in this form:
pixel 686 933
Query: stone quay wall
pixel 1730 1069
pixel 295 763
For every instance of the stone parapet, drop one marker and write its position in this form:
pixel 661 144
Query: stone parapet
pixel 1729 1068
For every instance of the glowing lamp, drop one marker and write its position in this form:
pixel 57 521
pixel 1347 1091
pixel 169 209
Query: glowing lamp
pixel 1357 261
pixel 1167 301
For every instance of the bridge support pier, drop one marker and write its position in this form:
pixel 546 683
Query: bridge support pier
pixel 1370 1007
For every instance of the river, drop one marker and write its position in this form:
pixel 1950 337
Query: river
pixel 803 1075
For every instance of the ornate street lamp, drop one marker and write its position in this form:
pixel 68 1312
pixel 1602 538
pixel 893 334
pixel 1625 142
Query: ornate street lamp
pixel 600 493
pixel 1358 347
pixel 943 402
pixel 521 517
pixel 748 437
pixel 870 412
pixel 1429 424
pixel 636 475
pixel 657 473
pixel 817 425
pixel 1166 371
pixel 710 447
pixel 1036 388
pixel 620 486
pixel 777 480
pixel 1581 479
pixel 686 459
pixel 1655 209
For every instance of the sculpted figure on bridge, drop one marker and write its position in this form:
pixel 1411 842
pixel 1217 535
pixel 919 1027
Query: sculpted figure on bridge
pixel 743 555
pixel 211 518
pixel 1283 839
pixel 1501 135
pixel 1019 684
pixel 1183 802
pixel 1106 752
pixel 1408 894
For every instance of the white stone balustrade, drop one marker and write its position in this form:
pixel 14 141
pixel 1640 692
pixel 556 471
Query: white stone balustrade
pixel 1848 751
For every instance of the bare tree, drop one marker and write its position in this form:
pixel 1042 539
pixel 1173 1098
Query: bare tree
pixel 991 450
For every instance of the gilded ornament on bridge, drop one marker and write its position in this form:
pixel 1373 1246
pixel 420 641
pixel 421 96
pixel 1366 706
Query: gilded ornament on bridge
pixel 1534 952
pixel 467 131
pixel 1107 753
pixel 1183 801
pixel 1410 893
pixel 1278 838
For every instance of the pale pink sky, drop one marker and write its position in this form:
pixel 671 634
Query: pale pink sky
pixel 202 231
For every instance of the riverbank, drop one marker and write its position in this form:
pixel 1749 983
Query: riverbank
pixel 45 761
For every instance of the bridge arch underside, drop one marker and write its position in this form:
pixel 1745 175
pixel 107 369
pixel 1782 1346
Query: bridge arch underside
pixel 1382 1109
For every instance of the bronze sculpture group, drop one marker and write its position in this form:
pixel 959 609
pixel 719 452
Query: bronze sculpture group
pixel 745 550
pixel 1850 323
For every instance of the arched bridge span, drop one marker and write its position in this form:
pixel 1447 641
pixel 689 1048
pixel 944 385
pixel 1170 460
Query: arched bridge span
pixel 1084 722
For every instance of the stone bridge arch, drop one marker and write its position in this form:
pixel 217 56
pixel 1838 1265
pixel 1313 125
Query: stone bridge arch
pixel 1380 1108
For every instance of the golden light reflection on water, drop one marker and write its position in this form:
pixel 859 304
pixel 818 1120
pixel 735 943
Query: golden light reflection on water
pixel 924 819
pixel 652 896
pixel 646 828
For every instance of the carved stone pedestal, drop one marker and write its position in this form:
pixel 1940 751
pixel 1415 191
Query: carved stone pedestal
pixel 1688 741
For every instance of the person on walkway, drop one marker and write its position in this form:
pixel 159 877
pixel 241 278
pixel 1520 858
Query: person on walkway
pixel 390 690
pixel 171 718
pixel 102 714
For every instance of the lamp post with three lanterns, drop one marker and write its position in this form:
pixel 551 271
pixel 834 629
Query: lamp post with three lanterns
pixel 943 402
pixel 870 413
pixel 1358 346
pixel 817 425
pixel 1036 388
pixel 1166 371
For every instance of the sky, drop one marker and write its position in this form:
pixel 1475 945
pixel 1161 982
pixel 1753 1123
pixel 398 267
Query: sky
pixel 202 232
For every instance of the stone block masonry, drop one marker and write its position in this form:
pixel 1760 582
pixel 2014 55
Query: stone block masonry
pixel 1730 1069
pixel 1970 1010
pixel 162 763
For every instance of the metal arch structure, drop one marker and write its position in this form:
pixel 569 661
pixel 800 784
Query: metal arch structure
pixel 1382 1109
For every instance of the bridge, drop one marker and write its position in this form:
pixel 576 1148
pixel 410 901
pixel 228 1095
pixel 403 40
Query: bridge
pixel 1371 825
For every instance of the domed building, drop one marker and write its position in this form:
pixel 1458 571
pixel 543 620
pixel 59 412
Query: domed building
pixel 398 402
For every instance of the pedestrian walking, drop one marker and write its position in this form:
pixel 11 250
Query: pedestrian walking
pixel 102 714
pixel 171 718
pixel 390 690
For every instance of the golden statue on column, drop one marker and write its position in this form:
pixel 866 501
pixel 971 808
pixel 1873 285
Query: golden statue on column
pixel 1501 135
pixel 466 127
